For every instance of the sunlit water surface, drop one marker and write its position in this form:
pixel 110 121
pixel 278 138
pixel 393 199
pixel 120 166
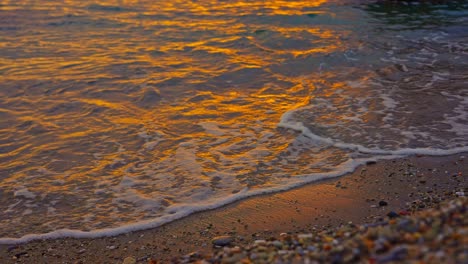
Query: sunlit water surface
pixel 122 115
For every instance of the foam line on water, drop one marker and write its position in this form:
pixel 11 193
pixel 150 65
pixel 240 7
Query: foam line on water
pixel 287 122
pixel 184 210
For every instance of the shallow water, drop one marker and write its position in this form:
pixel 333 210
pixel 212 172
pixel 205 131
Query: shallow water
pixel 122 115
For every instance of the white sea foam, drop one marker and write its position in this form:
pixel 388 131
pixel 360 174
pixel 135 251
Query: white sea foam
pixel 127 182
pixel 212 128
pixel 183 210
pixel 288 122
pixel 25 193
pixel 27 212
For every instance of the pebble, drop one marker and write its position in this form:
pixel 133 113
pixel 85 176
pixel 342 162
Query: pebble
pixel 403 212
pixel 277 244
pixel 392 214
pixel 383 203
pixel 305 236
pixel 21 254
pixel 222 241
pixel 259 242
pixel 129 260
pixel 397 254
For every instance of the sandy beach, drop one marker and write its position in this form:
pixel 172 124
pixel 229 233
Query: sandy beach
pixel 365 196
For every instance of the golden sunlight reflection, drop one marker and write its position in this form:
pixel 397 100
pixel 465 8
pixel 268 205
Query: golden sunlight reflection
pixel 116 111
pixel 166 100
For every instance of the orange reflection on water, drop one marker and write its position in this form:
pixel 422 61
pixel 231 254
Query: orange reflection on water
pixel 154 100
pixel 122 88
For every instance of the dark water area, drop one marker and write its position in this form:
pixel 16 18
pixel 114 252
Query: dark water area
pixel 118 115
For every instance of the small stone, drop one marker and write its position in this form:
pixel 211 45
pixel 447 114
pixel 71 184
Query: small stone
pixel 129 260
pixel 259 242
pixel 21 254
pixel 194 254
pixel 235 250
pixel 397 254
pixel 305 236
pixel 392 214
pixel 253 256
pixel 383 203
pixel 222 241
pixel 311 248
pixel 277 244
pixel 236 258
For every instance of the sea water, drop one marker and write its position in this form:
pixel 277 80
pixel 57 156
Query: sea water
pixel 124 115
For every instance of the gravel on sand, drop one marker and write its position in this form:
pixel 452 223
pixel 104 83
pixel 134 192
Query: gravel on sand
pixel 432 235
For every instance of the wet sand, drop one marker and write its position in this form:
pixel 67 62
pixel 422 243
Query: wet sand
pixel 352 198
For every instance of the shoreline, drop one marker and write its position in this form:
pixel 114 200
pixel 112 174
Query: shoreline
pixel 353 197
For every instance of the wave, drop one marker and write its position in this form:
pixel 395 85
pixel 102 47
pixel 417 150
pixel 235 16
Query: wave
pixel 288 122
pixel 181 211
